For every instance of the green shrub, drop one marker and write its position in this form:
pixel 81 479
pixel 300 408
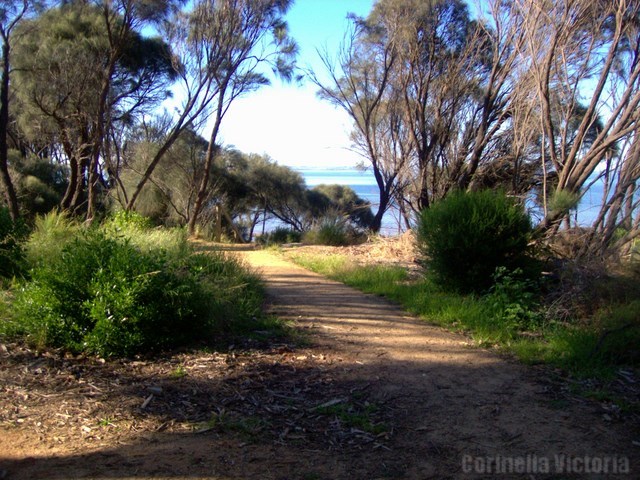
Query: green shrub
pixel 330 230
pixel 126 219
pixel 466 236
pixel 11 251
pixel 105 295
pixel 515 300
pixel 51 233
pixel 279 236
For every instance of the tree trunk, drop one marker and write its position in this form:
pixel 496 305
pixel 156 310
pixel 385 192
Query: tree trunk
pixel 212 151
pixel 9 190
pixel 65 203
pixel 382 208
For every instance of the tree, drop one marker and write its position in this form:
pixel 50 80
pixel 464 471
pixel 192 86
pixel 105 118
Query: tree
pixel 428 90
pixel 280 191
pixel 169 195
pixel 343 201
pixel 358 84
pixel 237 37
pixel 83 68
pixel 11 13
pixel 582 59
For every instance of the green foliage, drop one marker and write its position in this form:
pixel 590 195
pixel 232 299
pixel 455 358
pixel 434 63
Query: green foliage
pixel 466 236
pixel 51 233
pixel 563 201
pixel 610 341
pixel 107 292
pixel 127 220
pixel 40 183
pixel 330 265
pixel 137 229
pixel 341 200
pixel 11 251
pixel 515 299
pixel 330 230
pixel 168 199
pixel 280 235
pixel 355 416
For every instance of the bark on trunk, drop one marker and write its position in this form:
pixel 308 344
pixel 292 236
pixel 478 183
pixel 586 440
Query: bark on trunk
pixel 212 151
pixel 9 190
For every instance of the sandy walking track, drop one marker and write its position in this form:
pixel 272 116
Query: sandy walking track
pixel 448 408
pixel 451 402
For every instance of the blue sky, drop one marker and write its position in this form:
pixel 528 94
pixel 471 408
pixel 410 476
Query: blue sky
pixel 288 122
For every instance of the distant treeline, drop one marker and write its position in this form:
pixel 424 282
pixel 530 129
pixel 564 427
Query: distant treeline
pixel 532 97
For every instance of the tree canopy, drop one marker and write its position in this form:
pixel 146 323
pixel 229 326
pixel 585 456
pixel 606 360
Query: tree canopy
pixel 538 99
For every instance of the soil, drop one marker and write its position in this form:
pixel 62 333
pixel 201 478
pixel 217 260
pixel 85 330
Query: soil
pixel 369 392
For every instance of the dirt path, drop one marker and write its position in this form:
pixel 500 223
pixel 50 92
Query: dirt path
pixel 378 394
pixel 450 403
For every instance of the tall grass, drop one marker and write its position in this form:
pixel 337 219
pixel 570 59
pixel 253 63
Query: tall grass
pixel 51 233
pixel 330 230
pixel 139 231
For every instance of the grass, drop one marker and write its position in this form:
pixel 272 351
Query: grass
pixel 106 422
pixel 595 349
pixel 249 428
pixel 422 298
pixel 179 372
pixel 354 416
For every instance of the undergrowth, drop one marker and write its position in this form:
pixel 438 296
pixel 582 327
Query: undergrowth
pixel 125 288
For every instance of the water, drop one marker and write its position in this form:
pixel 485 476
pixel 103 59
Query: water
pixel 364 184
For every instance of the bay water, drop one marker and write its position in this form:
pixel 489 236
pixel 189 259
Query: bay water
pixel 364 185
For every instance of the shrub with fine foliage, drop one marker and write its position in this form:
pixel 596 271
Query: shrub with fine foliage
pixel 330 230
pixel 105 294
pixel 280 235
pixel 466 236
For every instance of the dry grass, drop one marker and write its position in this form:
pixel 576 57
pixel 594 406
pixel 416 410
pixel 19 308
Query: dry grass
pixel 400 251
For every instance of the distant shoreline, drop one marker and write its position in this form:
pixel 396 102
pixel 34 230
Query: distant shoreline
pixel 364 184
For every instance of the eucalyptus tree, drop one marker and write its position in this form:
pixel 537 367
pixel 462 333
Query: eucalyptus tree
pixel 81 68
pixel 358 82
pixel 11 13
pixel 428 90
pixel 582 59
pixel 169 195
pixel 238 37
pixel 280 192
pixel 222 49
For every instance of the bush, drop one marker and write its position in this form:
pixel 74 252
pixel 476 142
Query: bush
pixel 125 219
pixel 515 300
pixel 466 236
pixel 329 231
pixel 51 233
pixel 107 296
pixel 279 236
pixel 11 251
